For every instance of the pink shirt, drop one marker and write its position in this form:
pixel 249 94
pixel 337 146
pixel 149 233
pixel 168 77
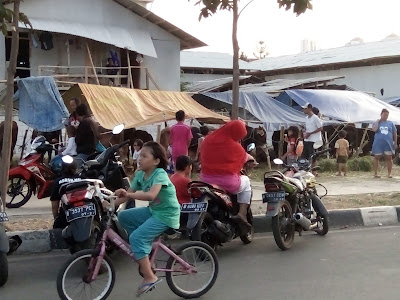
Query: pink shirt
pixel 230 183
pixel 179 138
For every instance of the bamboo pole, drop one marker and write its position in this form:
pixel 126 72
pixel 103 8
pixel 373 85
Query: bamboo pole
pixel 281 139
pixel 91 61
pixel 327 144
pixel 130 79
pixel 362 142
pixel 147 80
pixel 23 144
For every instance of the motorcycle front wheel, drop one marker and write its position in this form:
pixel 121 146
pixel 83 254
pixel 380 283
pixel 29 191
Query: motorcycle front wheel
pixel 323 226
pixel 282 226
pixel 3 269
pixel 19 190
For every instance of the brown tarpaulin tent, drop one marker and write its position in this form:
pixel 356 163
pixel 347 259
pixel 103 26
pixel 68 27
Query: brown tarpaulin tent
pixel 114 105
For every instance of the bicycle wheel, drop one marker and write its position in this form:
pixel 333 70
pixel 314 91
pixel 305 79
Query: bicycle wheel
pixel 73 280
pixel 203 258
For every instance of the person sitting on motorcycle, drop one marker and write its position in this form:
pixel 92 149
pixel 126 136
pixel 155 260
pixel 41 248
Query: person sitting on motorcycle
pixel 143 224
pixel 68 174
pixel 222 158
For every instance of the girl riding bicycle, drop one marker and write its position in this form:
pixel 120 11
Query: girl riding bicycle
pixel 143 224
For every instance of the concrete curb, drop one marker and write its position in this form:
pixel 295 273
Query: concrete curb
pixel 46 240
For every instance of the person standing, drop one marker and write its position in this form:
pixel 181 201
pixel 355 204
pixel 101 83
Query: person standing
pixel 311 132
pixel 342 153
pixel 180 137
pixel 86 138
pixel 385 142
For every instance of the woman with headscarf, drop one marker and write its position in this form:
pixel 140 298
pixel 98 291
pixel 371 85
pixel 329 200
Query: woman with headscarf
pixel 222 158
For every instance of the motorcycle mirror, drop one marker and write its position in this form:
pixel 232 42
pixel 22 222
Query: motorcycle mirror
pixel 118 129
pixel 278 161
pixel 67 159
pixel 318 145
pixel 251 147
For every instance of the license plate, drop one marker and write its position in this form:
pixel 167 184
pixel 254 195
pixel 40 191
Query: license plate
pixel 194 207
pixel 273 197
pixel 88 210
pixel 3 217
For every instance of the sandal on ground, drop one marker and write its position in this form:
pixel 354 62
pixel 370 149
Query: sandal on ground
pixel 377 176
pixel 238 218
pixel 390 176
pixel 147 287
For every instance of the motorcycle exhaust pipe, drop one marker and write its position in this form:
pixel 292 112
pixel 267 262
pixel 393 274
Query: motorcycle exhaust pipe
pixel 304 222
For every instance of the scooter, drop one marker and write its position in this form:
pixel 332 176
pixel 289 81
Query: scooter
pixel 211 211
pixel 8 245
pixel 31 176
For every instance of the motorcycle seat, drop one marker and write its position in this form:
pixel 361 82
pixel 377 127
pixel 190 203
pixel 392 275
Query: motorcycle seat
pixel 75 186
pixel 92 162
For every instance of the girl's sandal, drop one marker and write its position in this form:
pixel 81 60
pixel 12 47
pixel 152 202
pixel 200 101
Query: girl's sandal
pixel 147 287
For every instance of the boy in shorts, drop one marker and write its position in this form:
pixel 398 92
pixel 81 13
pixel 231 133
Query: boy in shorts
pixel 342 153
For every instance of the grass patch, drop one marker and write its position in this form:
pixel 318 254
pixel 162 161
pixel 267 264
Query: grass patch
pixel 363 164
pixel 327 165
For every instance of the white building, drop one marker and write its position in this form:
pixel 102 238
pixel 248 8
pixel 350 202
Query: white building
pixel 370 67
pixel 85 31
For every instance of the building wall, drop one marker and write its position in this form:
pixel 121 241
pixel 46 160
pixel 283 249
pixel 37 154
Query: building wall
pixel 368 78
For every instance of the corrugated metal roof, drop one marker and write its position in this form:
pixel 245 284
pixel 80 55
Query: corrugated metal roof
pixel 187 41
pixel 276 86
pixel 211 85
pixel 385 48
pixel 209 60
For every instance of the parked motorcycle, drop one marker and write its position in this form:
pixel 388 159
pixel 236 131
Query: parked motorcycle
pixel 31 176
pixel 8 245
pixel 293 202
pixel 210 214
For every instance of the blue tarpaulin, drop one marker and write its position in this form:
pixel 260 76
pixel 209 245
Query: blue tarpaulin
pixel 347 106
pixel 40 104
pixel 272 113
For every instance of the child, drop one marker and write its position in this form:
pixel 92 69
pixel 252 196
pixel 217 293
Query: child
pixel 181 178
pixel 204 130
pixel 291 140
pixel 342 153
pixel 71 145
pixel 137 145
pixel 143 224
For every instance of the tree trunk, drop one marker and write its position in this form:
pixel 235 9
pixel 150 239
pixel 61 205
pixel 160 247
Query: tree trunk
pixel 5 156
pixel 236 72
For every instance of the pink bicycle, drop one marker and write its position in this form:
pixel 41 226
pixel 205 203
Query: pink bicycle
pixel 190 271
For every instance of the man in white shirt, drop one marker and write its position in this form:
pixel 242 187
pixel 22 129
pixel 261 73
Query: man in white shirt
pixel 312 131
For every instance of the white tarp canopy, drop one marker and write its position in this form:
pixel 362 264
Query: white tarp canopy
pixel 348 106
pixel 272 113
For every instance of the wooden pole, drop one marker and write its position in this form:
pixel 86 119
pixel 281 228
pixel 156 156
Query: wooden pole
pixel 362 142
pixel 91 61
pixel 158 133
pixel 327 144
pixel 8 105
pixel 130 79
pixel 147 80
pixel 281 139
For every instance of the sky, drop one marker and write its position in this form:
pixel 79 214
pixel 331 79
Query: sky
pixel 331 23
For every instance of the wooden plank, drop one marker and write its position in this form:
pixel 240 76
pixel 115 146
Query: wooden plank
pixel 362 144
pixel 281 140
pixel 130 79
pixel 153 81
pixel 91 61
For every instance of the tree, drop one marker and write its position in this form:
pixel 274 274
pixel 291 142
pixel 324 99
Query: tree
pixel 210 7
pixel 243 56
pixel 9 19
pixel 261 50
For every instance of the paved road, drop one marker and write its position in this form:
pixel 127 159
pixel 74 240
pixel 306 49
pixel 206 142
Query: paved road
pixel 346 264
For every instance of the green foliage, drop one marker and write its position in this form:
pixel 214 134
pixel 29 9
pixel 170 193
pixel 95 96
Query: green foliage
pixel 299 6
pixel 6 18
pixel 364 164
pixel 327 165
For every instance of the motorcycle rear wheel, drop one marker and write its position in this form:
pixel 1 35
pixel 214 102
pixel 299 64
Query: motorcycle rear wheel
pixel 282 228
pixel 3 269
pixel 200 233
pixel 16 188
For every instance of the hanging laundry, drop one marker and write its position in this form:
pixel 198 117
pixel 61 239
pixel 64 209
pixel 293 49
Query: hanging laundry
pixel 46 40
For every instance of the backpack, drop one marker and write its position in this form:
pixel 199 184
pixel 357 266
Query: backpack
pixel 299 147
